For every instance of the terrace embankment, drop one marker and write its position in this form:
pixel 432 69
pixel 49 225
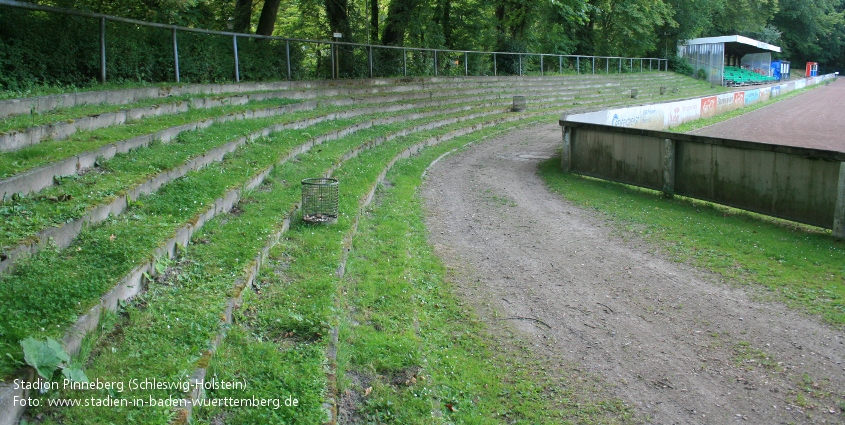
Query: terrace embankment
pixel 188 217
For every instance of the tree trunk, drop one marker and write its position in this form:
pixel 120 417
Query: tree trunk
pixel 243 15
pixel 338 15
pixel 267 21
pixel 398 14
pixel 374 21
pixel 447 23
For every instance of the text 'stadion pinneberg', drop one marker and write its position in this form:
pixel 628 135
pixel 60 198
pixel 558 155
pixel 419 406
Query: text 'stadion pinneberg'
pixel 134 384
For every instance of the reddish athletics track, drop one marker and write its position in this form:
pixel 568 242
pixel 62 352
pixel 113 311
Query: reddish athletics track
pixel 815 119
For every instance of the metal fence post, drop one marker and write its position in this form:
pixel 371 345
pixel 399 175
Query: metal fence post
pixel 175 56
pixel 331 49
pixel 578 64
pixel 102 50
pixel 520 64
pixel 495 66
pixel 620 65
pixel 435 63
pixel 287 51
pixel 541 66
pixel 560 64
pixel 594 64
pixel 237 65
pixel 405 62
pixel 607 66
pixel 466 64
pixel 370 59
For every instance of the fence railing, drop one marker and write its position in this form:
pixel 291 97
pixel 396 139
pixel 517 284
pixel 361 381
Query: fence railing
pixel 300 59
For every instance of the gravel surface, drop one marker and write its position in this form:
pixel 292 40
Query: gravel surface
pixel 814 119
pixel 676 343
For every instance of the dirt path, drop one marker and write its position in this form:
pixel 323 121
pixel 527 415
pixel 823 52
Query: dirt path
pixel 672 341
pixel 807 120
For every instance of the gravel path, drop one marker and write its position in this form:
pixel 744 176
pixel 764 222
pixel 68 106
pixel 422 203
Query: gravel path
pixel 814 119
pixel 672 341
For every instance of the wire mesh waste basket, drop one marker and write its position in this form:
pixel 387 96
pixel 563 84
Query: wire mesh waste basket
pixel 319 200
pixel 518 104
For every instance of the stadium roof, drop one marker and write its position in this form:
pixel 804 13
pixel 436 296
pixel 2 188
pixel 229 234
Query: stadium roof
pixel 737 44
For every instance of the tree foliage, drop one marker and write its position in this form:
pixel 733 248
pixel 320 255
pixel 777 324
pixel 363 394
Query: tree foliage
pixel 806 29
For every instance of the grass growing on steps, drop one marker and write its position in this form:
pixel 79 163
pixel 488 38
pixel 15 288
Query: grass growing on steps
pixel 195 297
pixel 78 193
pixel 801 265
pixel 450 359
pixel 409 350
pixel 171 325
pixel 46 293
pixel 21 122
pixel 48 151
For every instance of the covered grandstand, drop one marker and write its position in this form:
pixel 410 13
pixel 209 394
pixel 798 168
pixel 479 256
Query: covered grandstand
pixel 730 60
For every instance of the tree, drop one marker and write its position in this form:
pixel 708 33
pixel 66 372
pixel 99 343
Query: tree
pixel 811 29
pixel 399 13
pixel 628 27
pixel 243 16
pixel 267 20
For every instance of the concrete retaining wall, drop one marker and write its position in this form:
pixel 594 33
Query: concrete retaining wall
pixel 799 184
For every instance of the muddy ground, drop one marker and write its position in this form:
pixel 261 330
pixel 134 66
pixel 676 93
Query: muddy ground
pixel 676 343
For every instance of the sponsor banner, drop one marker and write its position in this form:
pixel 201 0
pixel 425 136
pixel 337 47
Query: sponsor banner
pixel 680 112
pixel 651 117
pixel 800 84
pixel 628 117
pixel 765 94
pixel 725 103
pixel 599 117
pixel 776 91
pixel 788 87
pixel 739 99
pixel 647 117
pixel 752 96
pixel 709 106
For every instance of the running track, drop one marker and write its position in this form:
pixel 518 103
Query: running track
pixel 814 119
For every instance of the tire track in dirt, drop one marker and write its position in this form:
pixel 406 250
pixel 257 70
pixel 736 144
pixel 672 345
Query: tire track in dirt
pixel 672 341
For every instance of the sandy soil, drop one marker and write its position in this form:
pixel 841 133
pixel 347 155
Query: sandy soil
pixel 674 342
pixel 814 119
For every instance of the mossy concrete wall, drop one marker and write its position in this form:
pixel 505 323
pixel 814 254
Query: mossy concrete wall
pixel 798 184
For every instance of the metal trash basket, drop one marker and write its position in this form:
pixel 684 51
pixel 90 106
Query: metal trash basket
pixel 319 200
pixel 518 104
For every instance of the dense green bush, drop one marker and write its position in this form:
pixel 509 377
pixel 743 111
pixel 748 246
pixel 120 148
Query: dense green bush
pixel 680 65
pixel 33 54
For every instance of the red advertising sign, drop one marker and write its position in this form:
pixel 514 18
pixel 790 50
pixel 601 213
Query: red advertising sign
pixel 708 107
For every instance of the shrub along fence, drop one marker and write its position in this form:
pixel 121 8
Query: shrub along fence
pixel 92 46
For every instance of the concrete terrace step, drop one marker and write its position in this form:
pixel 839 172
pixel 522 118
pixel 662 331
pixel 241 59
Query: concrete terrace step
pixel 552 94
pixel 133 283
pixel 27 184
pixel 44 104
